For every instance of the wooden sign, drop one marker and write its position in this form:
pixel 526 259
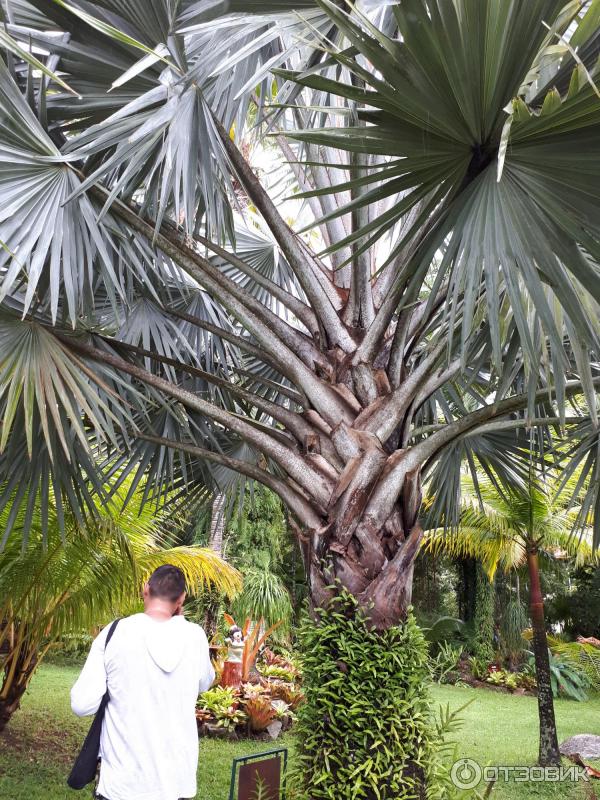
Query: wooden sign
pixel 260 776
pixel 265 775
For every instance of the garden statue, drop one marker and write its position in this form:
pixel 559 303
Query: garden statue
pixel 232 669
pixel 235 645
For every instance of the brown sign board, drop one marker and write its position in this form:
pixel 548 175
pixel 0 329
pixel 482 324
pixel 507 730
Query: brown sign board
pixel 265 773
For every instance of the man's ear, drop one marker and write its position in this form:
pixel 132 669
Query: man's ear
pixel 145 591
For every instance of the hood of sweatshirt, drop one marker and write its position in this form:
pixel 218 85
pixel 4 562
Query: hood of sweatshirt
pixel 166 641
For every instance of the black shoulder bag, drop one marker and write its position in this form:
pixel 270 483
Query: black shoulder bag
pixel 86 764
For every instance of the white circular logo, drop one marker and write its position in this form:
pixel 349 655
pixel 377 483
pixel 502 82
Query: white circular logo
pixel 466 773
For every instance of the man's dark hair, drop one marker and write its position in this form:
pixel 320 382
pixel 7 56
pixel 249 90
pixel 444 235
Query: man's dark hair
pixel 167 582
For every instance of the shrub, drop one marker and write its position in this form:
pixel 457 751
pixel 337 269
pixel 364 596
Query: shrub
pixel 567 681
pixel 365 729
pixel 513 622
pixel 585 658
pixel 272 659
pixel 512 680
pixel 483 622
pixel 479 668
pixel 250 690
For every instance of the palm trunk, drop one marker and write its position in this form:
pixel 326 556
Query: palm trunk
pixel 216 541
pixel 19 667
pixel 549 754
pixel 360 590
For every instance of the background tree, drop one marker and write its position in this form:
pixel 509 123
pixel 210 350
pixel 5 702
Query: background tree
pixel 576 606
pixel 260 548
pixel 145 329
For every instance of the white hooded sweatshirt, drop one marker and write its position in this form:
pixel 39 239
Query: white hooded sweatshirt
pixel 154 671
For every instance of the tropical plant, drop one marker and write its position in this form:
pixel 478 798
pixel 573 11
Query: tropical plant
pixel 567 680
pixel 146 327
pixel 282 709
pixel 503 678
pixel 364 691
pixel 279 673
pixel 583 657
pixel 513 622
pixel 508 525
pixel 512 680
pixel 59 584
pixel 253 690
pixel 272 659
pixel 291 695
pixel 260 713
pixel 259 546
pixel 577 607
pixel 444 662
pixel 479 668
pixel 219 699
pixel 444 629
pixel 254 638
pixel 249 709
pixel 264 596
pixel 482 639
pixel 223 705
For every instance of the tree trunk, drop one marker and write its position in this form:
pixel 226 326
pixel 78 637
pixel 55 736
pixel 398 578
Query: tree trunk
pixel 19 667
pixel 483 641
pixel 364 660
pixel 549 754
pixel 466 589
pixel 216 540
pixel 217 524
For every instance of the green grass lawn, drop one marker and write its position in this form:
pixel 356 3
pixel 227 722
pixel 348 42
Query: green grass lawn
pixel 37 748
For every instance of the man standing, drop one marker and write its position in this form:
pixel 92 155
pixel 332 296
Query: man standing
pixel 154 667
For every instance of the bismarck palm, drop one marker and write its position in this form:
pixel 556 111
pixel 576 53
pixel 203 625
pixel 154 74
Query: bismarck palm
pixel 448 157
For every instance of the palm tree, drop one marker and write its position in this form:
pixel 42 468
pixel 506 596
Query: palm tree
pixel 160 316
pixel 509 527
pixel 72 583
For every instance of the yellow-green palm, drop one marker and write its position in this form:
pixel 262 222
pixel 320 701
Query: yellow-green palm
pixel 495 526
pixel 92 573
pixel 509 526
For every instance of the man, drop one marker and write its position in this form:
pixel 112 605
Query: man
pixel 155 665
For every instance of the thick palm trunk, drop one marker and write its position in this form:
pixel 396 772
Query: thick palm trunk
pixel 549 754
pixel 374 564
pixel 365 661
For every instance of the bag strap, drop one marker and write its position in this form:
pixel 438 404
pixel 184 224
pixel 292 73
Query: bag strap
pixel 111 631
pixel 106 697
